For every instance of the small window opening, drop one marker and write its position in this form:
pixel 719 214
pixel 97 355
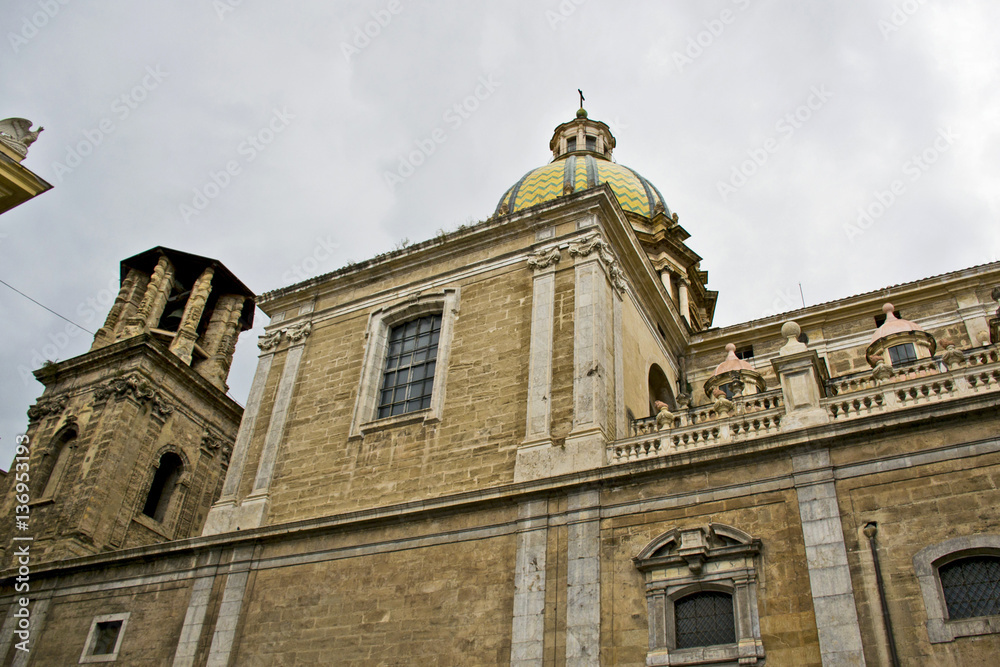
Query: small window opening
pixel 571 144
pixel 592 144
pixel 745 353
pixel 163 486
pixel 106 637
pixel 902 354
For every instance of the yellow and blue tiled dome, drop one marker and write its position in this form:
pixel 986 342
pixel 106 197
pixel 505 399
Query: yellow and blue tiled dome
pixel 581 151
pixel 574 173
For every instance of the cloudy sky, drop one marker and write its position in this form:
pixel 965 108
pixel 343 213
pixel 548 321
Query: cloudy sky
pixel 843 146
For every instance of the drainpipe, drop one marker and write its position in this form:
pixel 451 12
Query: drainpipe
pixel 870 530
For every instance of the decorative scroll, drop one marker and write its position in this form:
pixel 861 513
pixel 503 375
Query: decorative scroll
pixel 44 408
pixel 137 388
pixel 544 258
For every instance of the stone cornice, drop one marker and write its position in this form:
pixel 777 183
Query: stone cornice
pixel 858 431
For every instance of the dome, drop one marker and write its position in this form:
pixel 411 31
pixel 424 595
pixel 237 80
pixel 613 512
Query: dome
pixel 574 173
pixel 581 150
pixel 893 324
pixel 732 362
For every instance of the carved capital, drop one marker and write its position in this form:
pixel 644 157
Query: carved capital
pixel 298 333
pixel 543 259
pixel 595 244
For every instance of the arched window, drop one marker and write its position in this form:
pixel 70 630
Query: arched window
pixel 701 596
pixel 971 586
pixel 56 460
pixel 659 389
pixel 168 472
pixel 960 583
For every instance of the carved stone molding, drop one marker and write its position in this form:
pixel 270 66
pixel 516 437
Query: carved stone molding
pixel 214 445
pixel 269 341
pixel 543 259
pixel 47 407
pixel 136 387
pixel 595 244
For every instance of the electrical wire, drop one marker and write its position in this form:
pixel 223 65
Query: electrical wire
pixel 46 307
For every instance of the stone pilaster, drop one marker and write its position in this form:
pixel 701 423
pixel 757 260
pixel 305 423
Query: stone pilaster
pixel 230 609
pixel 528 628
pixel 187 332
pixel 254 508
pixel 538 422
pixel 583 580
pixel 592 358
pixel 223 516
pixel 826 558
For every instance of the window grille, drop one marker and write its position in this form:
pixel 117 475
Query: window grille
pixel 705 619
pixel 409 366
pixel 971 587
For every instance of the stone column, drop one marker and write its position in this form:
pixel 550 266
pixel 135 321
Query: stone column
pixel 683 302
pixel 187 332
pixel 220 339
pixel 153 301
pixel 106 334
pixel 583 580
pixel 667 285
pixel 826 558
pixel 803 381
pixel 222 516
pixel 254 508
pixel 528 628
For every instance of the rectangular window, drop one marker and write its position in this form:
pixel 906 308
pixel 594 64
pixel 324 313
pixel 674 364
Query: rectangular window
pixel 571 144
pixel 408 379
pixel 902 354
pixel 592 144
pixel 745 353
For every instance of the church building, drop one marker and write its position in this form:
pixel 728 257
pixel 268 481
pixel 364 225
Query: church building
pixel 519 443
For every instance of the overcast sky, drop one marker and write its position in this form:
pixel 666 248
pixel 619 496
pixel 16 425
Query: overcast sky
pixel 279 139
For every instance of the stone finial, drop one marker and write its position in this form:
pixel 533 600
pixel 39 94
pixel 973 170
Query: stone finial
pixel 791 330
pixel 664 417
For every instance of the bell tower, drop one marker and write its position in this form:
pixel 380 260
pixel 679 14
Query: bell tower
pixel 129 443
